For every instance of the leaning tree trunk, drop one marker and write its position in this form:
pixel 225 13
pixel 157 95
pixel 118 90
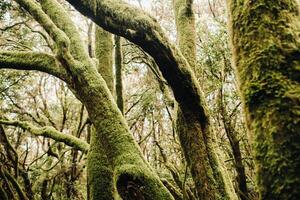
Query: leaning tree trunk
pixel 195 137
pixel 266 52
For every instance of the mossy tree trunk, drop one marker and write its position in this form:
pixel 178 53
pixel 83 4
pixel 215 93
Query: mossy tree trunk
pixel 194 136
pixel 73 65
pixel 265 38
pixel 100 171
pixel 104 54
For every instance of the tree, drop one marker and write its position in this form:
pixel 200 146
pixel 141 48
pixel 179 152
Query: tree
pixel 265 46
pixel 73 65
pixel 115 161
pixel 197 144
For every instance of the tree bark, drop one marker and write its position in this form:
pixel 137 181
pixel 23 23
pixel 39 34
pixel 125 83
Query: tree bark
pixel 104 54
pixel 265 38
pixel 103 169
pixel 133 176
pixel 119 73
pixel 195 140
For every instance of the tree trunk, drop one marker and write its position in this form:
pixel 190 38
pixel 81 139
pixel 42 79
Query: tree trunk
pixel 104 54
pixel 118 70
pixel 265 39
pixel 100 171
pixel 194 136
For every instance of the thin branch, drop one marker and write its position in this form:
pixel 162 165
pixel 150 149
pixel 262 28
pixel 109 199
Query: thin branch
pixel 50 132
pixel 33 61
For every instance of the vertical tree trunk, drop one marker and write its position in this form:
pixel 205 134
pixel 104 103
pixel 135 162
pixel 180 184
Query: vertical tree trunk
pixel 265 39
pixel 118 70
pixel 100 172
pixel 104 54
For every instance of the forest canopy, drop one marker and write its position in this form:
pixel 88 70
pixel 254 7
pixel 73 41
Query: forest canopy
pixel 149 99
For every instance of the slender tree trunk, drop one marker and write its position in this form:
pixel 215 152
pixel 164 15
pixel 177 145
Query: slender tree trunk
pixel 100 171
pixel 231 133
pixel 265 39
pixel 119 70
pixel 104 54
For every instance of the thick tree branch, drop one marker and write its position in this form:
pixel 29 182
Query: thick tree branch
pixel 32 61
pixel 50 132
pixel 142 29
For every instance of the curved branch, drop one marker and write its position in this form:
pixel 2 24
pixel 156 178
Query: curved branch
pixel 140 28
pixel 50 132
pixel 33 61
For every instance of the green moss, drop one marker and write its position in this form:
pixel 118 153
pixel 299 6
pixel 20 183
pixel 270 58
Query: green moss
pixel 138 182
pixel 50 132
pixel 104 53
pixel 99 172
pixel 186 30
pixel 195 134
pixel 266 44
pixel 64 22
pixel 33 61
pixel 62 41
pixel 112 132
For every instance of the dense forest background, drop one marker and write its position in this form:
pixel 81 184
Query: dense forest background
pixel 67 134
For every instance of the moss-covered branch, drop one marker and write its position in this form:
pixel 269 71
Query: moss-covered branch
pixel 111 132
pixel 100 171
pixel 33 61
pixel 50 132
pixel 197 141
pixel 55 33
pixel 63 21
pixel 140 28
